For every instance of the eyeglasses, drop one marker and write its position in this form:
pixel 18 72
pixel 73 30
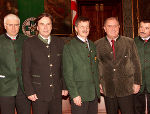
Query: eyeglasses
pixel 11 25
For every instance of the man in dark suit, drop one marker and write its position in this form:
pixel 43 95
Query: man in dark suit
pixel 119 69
pixel 80 70
pixel 11 87
pixel 42 69
pixel 143 45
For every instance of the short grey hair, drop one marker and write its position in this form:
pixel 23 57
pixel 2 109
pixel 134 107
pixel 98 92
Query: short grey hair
pixel 11 17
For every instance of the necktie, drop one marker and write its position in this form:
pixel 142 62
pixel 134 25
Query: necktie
pixel 46 41
pixel 87 45
pixel 146 41
pixel 113 47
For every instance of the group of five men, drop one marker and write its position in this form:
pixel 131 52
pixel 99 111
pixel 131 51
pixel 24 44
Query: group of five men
pixel 42 69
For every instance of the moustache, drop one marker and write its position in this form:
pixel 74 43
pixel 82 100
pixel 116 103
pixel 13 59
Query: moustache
pixel 142 32
pixel 84 31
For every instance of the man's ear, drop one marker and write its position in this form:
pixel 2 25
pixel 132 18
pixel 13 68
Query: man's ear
pixel 76 31
pixel 5 26
pixel 104 28
pixel 37 28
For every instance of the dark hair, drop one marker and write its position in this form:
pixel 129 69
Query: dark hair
pixel 145 21
pixel 111 18
pixel 43 15
pixel 83 19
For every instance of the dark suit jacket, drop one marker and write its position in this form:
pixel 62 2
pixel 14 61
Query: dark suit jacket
pixel 42 68
pixel 144 54
pixel 80 70
pixel 118 76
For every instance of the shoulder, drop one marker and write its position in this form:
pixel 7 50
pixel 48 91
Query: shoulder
pixel 127 39
pixel 31 40
pixel 97 42
pixel 136 38
pixel 58 41
pixel 22 36
pixel 71 42
pixel 2 36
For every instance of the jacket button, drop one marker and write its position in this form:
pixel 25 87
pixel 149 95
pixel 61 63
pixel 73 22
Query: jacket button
pixel 50 75
pixel 48 56
pixel 51 65
pixel 114 70
pixel 51 85
pixel 47 46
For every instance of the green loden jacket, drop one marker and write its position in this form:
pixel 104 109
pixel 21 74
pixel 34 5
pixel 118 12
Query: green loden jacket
pixel 144 54
pixel 10 64
pixel 80 70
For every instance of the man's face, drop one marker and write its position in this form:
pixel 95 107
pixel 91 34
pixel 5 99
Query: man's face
pixel 112 28
pixel 83 29
pixel 12 27
pixel 144 30
pixel 44 27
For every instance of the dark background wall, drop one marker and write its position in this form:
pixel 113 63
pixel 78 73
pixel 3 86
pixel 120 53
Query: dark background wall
pixel 129 13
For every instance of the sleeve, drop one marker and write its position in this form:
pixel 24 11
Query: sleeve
pixel 68 72
pixel 137 66
pixel 99 64
pixel 62 77
pixel 26 69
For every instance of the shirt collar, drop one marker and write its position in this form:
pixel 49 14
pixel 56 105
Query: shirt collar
pixel 49 38
pixel 86 40
pixel 13 38
pixel 146 38
pixel 109 39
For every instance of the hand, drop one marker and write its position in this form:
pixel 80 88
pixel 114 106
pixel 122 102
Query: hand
pixel 136 88
pixel 33 97
pixel 101 89
pixel 64 92
pixel 77 101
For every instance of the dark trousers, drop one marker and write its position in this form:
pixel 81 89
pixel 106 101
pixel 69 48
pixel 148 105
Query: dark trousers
pixel 20 102
pixel 88 107
pixel 125 104
pixel 53 106
pixel 140 102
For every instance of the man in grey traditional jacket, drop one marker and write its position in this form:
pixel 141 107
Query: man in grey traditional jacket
pixel 119 69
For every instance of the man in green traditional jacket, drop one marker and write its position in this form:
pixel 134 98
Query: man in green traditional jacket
pixel 80 70
pixel 143 46
pixel 11 86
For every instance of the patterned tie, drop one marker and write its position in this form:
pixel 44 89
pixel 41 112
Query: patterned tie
pixel 113 47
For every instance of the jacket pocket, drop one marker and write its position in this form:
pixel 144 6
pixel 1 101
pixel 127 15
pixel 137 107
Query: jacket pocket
pixel 36 76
